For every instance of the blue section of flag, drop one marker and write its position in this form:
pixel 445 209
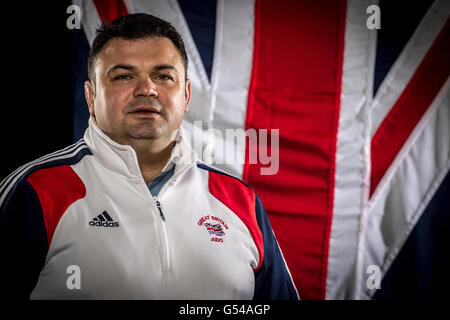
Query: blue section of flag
pixel 420 270
pixel 397 26
pixel 80 53
pixel 201 19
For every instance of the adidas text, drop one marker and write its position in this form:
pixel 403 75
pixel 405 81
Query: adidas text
pixel 104 224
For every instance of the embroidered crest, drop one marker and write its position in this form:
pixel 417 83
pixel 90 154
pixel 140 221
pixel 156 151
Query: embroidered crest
pixel 215 228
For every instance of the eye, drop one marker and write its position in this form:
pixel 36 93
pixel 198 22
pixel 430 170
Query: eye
pixel 122 77
pixel 164 77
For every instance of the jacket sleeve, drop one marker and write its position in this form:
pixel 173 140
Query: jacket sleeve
pixel 272 279
pixel 23 241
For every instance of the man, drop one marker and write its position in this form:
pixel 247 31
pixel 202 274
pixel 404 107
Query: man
pixel 129 212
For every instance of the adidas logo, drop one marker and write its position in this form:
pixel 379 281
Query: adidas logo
pixel 103 220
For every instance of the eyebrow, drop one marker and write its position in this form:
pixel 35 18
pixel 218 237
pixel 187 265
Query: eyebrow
pixel 133 68
pixel 166 66
pixel 121 66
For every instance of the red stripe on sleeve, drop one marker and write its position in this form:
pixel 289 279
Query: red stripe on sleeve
pixel 241 200
pixel 410 107
pixel 295 87
pixel 57 188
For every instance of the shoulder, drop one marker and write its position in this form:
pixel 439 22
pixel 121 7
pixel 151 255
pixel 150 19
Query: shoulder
pixel 230 190
pixel 222 176
pixel 50 171
pixel 240 198
pixel 38 193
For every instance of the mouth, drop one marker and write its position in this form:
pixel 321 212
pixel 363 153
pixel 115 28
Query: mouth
pixel 145 110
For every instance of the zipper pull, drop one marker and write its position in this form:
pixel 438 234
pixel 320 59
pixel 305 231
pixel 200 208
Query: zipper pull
pixel 158 204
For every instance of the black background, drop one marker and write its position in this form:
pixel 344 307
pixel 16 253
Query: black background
pixel 36 84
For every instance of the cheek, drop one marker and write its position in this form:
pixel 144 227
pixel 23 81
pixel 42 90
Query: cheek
pixel 177 110
pixel 177 103
pixel 108 108
pixel 111 101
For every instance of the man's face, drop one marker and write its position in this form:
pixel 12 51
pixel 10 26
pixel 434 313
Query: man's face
pixel 140 90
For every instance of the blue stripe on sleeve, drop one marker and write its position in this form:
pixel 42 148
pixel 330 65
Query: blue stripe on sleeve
pixel 272 279
pixel 23 242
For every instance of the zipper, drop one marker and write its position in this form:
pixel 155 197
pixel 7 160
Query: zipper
pixel 161 214
pixel 165 254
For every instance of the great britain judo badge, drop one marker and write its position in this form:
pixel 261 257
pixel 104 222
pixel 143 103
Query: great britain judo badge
pixel 215 227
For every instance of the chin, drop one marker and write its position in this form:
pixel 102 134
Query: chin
pixel 145 133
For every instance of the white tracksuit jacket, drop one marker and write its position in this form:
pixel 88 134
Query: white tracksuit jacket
pixel 81 223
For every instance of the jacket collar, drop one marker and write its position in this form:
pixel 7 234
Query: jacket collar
pixel 122 159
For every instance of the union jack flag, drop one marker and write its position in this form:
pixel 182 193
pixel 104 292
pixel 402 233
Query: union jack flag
pixel 214 229
pixel 364 128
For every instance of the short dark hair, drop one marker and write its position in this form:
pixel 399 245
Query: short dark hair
pixel 132 27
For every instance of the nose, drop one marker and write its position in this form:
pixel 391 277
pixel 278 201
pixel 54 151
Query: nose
pixel 145 88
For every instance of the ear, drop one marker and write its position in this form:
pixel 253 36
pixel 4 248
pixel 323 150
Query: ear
pixel 187 95
pixel 89 93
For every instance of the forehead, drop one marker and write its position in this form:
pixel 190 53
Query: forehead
pixel 143 53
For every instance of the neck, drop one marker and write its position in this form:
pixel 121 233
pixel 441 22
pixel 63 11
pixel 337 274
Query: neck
pixel 151 158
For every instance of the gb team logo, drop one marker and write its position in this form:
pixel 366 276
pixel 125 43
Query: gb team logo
pixel 104 220
pixel 214 228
